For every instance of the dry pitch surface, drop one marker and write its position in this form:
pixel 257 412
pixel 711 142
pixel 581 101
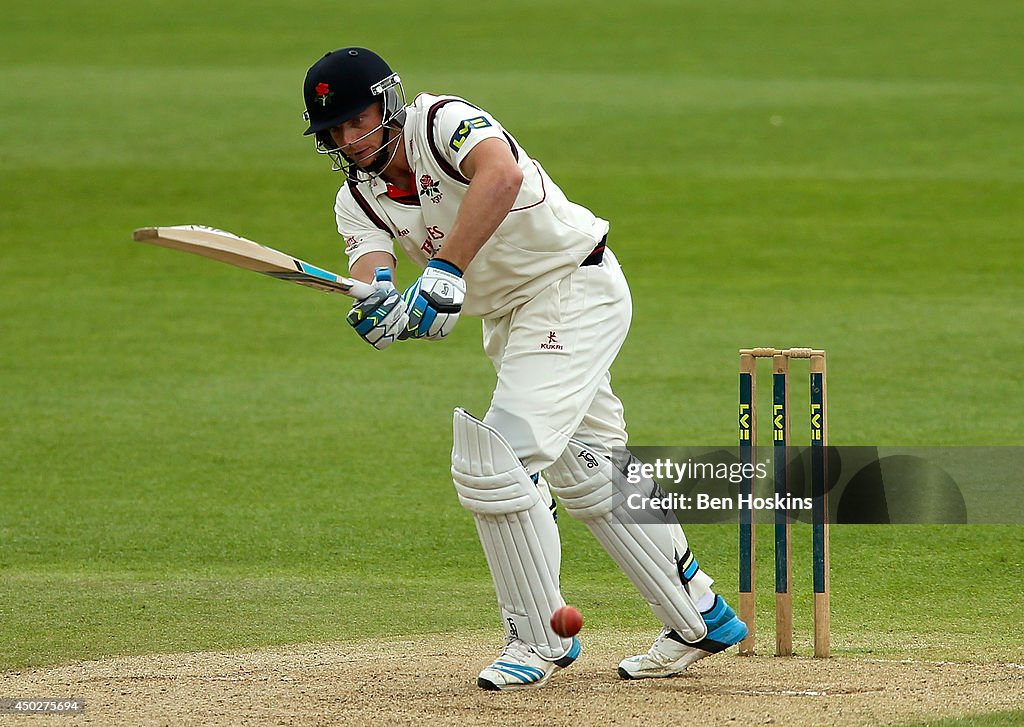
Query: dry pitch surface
pixel 431 680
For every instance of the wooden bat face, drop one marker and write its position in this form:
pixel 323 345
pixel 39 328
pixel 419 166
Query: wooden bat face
pixel 240 252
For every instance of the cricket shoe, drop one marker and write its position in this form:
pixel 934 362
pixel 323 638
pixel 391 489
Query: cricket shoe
pixel 520 667
pixel 670 655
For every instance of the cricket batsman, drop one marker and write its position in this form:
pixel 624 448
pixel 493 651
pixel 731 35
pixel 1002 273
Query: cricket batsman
pixel 492 236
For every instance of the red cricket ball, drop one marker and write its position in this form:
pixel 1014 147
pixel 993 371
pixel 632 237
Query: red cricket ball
pixel 566 621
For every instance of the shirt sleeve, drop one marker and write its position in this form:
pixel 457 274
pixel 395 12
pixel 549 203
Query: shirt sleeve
pixel 360 233
pixel 459 127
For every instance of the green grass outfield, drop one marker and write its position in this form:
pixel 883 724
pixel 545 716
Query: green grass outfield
pixel 194 457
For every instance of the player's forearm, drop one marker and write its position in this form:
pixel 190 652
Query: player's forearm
pixel 490 197
pixel 364 267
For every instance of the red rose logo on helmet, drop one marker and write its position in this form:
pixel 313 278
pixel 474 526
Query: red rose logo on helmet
pixel 323 93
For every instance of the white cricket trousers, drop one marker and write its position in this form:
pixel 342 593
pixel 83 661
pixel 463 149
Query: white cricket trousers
pixel 552 356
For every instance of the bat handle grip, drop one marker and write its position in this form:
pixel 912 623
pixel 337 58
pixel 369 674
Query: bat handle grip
pixel 360 289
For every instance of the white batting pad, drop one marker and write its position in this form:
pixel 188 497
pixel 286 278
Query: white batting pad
pixel 517 532
pixel 648 553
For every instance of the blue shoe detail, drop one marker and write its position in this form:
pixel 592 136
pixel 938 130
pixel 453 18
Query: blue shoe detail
pixel 724 627
pixel 523 673
pixel 571 655
pixel 520 666
pixel 670 654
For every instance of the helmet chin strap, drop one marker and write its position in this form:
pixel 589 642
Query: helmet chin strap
pixel 381 159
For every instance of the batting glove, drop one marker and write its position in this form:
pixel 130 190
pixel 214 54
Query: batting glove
pixel 381 317
pixel 434 301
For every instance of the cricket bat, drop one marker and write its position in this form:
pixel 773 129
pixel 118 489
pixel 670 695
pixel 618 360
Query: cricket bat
pixel 240 252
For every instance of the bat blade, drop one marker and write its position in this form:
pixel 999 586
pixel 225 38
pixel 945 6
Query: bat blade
pixel 229 248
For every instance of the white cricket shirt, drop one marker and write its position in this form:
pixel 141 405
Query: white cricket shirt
pixel 544 238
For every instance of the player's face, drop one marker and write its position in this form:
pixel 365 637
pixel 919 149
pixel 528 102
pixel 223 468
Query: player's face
pixel 360 138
